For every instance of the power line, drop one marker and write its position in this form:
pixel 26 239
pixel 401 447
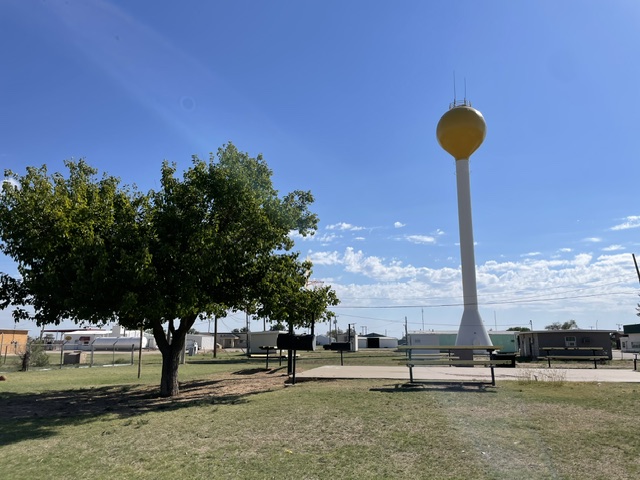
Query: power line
pixel 533 299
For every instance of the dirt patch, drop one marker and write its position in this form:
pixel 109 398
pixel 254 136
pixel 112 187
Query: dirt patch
pixel 126 400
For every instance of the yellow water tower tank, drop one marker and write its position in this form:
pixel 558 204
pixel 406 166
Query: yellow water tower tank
pixel 461 131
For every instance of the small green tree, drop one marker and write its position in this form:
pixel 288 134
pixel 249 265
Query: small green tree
pixel 568 325
pixel 286 298
pixel 518 329
pixel 332 333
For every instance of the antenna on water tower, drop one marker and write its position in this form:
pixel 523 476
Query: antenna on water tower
pixel 454 87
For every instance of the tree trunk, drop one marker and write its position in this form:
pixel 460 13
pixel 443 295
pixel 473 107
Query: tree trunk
pixel 170 363
pixel 290 353
pixel 171 353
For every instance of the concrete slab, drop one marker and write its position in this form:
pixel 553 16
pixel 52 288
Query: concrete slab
pixel 469 374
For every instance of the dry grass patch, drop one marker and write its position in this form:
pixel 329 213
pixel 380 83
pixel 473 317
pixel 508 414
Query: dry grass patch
pixel 554 376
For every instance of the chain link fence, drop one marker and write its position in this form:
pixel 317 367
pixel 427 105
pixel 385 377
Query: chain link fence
pixel 39 355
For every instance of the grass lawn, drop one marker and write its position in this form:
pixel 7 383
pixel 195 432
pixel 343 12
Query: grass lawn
pixel 235 420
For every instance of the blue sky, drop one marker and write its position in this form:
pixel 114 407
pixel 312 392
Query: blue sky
pixel 343 98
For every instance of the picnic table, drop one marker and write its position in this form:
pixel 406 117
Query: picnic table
pixel 269 348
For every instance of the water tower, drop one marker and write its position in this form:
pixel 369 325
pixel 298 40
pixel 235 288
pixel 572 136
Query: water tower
pixel 460 132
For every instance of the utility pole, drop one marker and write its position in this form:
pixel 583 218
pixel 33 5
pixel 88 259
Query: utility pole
pixel 636 264
pixel 215 336
pixel 246 313
pixel 406 331
pixel 140 351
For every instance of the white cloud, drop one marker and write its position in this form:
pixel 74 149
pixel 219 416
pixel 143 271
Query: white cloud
pixel 543 289
pixel 439 232
pixel 324 239
pixel 10 181
pixel 592 239
pixel 613 248
pixel 582 259
pixel 531 254
pixel 632 221
pixel 374 267
pixel 565 250
pixel 579 284
pixel 325 258
pixel 399 225
pixel 344 226
pixel 421 239
pixel 359 239
pixel 377 268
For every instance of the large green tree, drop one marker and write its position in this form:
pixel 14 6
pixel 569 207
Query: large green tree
pixel 91 250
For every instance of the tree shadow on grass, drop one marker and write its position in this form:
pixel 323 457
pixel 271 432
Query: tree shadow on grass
pixel 26 416
pixel 220 361
pixel 253 371
pixel 438 386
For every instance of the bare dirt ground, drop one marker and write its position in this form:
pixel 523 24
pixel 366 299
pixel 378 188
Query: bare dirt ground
pixel 127 400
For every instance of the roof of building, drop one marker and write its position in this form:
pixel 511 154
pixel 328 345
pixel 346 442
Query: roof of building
pixel 73 330
pixel 572 330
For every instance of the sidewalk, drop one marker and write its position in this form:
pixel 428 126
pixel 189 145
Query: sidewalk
pixel 465 374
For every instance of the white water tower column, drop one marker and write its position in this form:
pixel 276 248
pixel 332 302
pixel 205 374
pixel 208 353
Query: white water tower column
pixel 460 132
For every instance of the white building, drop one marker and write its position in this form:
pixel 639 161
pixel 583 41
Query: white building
pixel 205 341
pixel 630 339
pixel 506 340
pixel 117 338
pixel 263 339
pixel 375 340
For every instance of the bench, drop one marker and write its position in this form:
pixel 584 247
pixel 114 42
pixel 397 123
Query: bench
pixel 597 354
pixel 447 357
pixel 594 358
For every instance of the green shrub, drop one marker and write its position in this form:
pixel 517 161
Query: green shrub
pixel 34 356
